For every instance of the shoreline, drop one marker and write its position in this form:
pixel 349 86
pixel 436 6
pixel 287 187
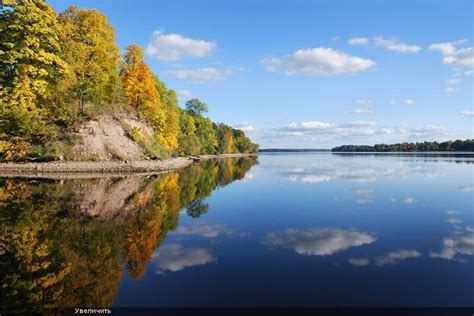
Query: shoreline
pixel 102 169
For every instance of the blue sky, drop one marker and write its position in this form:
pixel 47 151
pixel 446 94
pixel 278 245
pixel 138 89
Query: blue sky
pixel 312 74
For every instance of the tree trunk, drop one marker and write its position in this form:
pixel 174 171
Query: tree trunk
pixel 81 106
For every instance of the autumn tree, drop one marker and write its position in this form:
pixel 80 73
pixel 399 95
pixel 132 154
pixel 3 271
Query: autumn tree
pixel 226 139
pixel 171 128
pixel 30 65
pixel 242 143
pixel 53 68
pixel 138 81
pixel 89 47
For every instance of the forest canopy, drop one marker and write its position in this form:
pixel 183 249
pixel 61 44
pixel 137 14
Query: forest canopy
pixel 59 70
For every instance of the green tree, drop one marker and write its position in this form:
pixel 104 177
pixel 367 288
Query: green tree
pixel 226 139
pixel 170 130
pixel 242 143
pixel 206 134
pixel 196 107
pixel 197 208
pixel 188 141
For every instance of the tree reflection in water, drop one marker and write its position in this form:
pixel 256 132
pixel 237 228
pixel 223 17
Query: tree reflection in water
pixel 66 243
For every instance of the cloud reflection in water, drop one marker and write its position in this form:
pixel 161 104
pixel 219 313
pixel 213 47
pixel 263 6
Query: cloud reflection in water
pixel 318 242
pixel 175 257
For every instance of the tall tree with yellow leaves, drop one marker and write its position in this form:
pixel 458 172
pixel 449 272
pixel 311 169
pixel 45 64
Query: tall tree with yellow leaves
pixel 150 97
pixel 171 128
pixel 89 47
pixel 29 67
pixel 138 81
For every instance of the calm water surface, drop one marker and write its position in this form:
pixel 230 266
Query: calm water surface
pixel 286 230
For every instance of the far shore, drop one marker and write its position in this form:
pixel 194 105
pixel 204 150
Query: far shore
pixel 100 169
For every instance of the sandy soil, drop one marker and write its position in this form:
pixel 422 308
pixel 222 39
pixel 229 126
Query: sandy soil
pixel 106 136
pixel 99 169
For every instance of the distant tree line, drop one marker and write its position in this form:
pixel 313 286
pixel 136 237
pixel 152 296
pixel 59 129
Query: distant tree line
pixel 291 150
pixel 457 145
pixel 57 70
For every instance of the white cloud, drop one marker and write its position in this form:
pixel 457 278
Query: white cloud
pixel 201 75
pixel 312 178
pixel 453 81
pixel 315 130
pixel 362 112
pixel 452 90
pixel 248 176
pixel 184 95
pixel 461 57
pixel 447 48
pixel 468 73
pixel 463 244
pixel 203 229
pixel 350 171
pixel 246 127
pixel 363 201
pixel 359 261
pixel 445 253
pixel 467 188
pixel 454 246
pixel 305 126
pixel 362 191
pixel 358 41
pixel 318 61
pixel 176 258
pixel 358 124
pixel 173 47
pixel 409 200
pixel 295 134
pixel 454 221
pixel 316 175
pixel 456 57
pixel 363 101
pixel 396 257
pixel 408 101
pixel 428 130
pixel 394 45
pixel 318 242
pixel 324 134
pixel 467 113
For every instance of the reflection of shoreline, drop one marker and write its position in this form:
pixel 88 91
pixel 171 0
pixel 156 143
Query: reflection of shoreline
pixel 102 169
pixel 410 153
pixel 74 239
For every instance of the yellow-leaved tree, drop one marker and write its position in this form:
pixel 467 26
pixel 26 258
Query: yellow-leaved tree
pixel 170 130
pixel 88 41
pixel 138 81
pixel 148 95
pixel 29 67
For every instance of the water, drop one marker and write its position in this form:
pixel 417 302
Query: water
pixel 291 230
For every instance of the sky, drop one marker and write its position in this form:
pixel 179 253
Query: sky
pixel 311 74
